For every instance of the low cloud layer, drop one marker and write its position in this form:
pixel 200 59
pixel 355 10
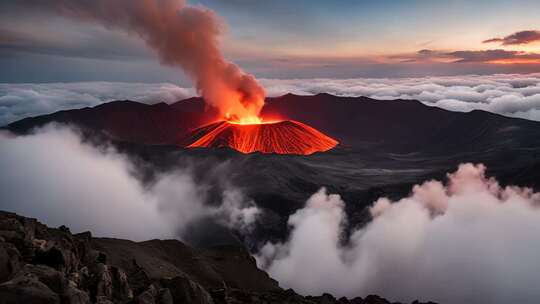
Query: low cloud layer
pixel 467 241
pixel 508 94
pixel 89 188
pixel 18 101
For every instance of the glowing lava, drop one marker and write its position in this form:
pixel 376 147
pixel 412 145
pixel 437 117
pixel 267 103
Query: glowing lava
pixel 281 137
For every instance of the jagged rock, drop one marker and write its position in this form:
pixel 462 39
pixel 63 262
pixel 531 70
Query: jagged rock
pixel 57 282
pixel 54 279
pixel 357 300
pixel 121 289
pixel 102 281
pixel 210 268
pixel 184 290
pixel 73 295
pixel 149 296
pixel 138 278
pixel 12 230
pixel 108 282
pixel 325 298
pixel 50 256
pixel 27 289
pixel 103 300
pixel 155 295
pixel 77 269
pixel 165 296
pixel 10 261
pixel 375 299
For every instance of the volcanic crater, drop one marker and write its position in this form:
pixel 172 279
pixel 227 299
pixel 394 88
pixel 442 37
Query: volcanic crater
pixel 280 137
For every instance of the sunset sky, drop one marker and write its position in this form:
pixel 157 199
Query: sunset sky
pixel 290 39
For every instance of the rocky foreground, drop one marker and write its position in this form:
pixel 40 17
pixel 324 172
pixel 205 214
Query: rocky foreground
pixel 45 265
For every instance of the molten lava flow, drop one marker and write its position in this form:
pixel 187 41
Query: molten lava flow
pixel 243 120
pixel 281 137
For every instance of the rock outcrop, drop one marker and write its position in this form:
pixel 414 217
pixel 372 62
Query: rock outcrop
pixel 46 265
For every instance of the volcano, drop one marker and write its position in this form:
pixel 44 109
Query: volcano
pixel 282 137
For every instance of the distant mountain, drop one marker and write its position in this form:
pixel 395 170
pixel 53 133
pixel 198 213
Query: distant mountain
pixel 126 121
pixel 385 147
pixel 356 122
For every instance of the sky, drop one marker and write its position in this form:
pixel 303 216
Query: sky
pixel 288 39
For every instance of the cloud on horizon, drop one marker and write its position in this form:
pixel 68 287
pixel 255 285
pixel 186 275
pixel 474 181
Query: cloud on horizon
pixel 492 56
pixel 18 101
pixel 521 37
pixel 511 95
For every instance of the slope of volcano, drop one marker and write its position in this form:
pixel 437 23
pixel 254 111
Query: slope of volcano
pixel 283 137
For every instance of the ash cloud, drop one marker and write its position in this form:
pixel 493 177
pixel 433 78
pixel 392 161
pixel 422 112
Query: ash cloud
pixel 467 241
pixel 182 35
pixel 60 179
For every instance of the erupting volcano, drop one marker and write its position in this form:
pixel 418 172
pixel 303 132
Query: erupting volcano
pixel 281 137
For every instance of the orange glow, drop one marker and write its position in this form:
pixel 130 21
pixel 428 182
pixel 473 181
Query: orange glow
pixel 249 120
pixel 515 61
pixel 243 120
pixel 281 137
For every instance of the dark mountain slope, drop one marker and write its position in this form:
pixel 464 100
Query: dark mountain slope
pixel 386 148
pixel 359 122
pixel 125 121
pixel 404 125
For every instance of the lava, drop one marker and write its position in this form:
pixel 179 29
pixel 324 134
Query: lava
pixel 281 137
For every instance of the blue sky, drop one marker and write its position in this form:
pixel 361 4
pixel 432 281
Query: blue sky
pixel 286 39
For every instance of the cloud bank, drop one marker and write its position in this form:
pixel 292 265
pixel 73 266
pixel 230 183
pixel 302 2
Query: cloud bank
pixel 53 176
pixel 507 94
pixel 521 37
pixel 467 241
pixel 18 101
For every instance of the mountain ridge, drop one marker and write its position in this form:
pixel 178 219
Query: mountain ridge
pixel 391 125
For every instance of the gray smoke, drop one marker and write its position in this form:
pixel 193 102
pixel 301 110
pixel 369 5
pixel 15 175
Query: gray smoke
pixel 182 35
pixel 53 176
pixel 469 241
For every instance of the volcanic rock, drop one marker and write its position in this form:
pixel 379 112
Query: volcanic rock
pixel 283 137
pixel 104 271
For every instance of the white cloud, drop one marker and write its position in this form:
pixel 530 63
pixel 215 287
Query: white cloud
pixel 514 95
pixel 53 176
pixel 18 101
pixel 508 94
pixel 469 241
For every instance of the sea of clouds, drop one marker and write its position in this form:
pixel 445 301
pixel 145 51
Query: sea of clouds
pixel 516 95
pixel 463 240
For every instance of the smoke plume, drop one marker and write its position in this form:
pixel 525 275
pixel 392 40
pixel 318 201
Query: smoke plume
pixel 55 176
pixel 467 241
pixel 182 35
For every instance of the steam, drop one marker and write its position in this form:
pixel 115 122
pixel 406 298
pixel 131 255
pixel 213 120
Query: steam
pixel 182 35
pixel 53 176
pixel 469 241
